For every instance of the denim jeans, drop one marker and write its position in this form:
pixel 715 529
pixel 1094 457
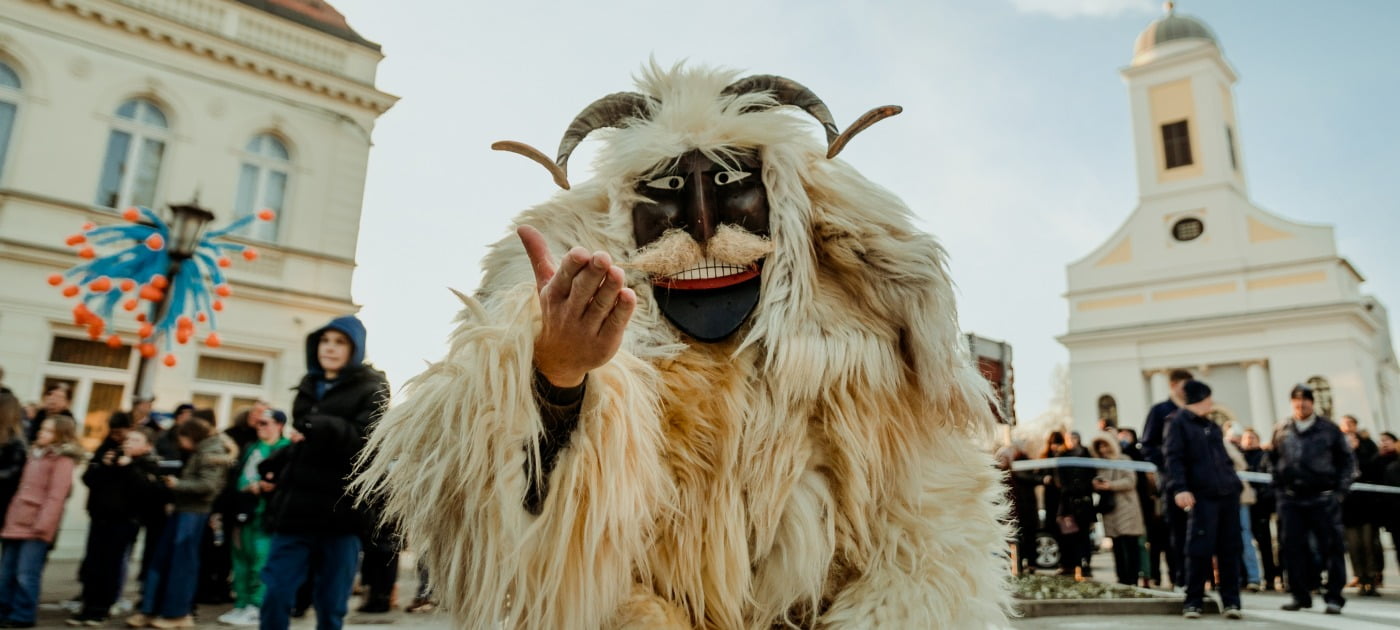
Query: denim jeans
pixel 174 572
pixel 333 559
pixel 1251 558
pixel 21 567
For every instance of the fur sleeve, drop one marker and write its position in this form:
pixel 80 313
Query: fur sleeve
pixel 449 458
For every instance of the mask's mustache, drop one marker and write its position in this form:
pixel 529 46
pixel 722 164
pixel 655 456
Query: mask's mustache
pixel 676 251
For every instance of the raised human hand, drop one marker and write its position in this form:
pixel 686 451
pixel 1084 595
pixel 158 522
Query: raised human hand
pixel 584 309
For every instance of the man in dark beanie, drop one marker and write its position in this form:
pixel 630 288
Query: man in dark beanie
pixel 1201 480
pixel 1313 468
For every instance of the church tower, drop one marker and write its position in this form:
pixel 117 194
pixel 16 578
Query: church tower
pixel 1181 91
pixel 1199 277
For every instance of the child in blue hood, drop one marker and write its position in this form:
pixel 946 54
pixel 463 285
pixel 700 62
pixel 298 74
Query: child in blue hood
pixel 310 513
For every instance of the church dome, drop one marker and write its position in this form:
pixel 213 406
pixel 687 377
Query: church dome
pixel 1171 27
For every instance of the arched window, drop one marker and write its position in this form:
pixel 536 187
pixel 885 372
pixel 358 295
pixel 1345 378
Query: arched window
pixel 262 184
pixel 1108 409
pixel 9 106
pixel 131 169
pixel 1322 396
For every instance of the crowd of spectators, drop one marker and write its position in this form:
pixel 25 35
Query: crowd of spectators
pixel 257 515
pixel 1191 512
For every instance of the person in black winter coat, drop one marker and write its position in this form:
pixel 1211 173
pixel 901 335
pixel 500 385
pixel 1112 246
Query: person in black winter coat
pixel 1077 507
pixel 1201 480
pixel 1313 470
pixel 311 514
pixel 1261 514
pixel 123 487
pixel 14 449
pixel 1173 518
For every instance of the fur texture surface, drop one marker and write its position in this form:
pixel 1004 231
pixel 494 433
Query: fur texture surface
pixel 825 468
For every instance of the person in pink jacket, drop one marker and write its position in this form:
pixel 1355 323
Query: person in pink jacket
pixel 33 517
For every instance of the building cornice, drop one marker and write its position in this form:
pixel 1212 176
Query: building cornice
pixel 306 59
pixel 1242 271
pixel 1225 322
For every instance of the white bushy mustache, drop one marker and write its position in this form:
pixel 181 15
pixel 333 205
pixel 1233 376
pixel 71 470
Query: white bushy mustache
pixel 677 252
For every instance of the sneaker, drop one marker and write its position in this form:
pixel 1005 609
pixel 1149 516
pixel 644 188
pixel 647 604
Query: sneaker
pixel 1334 609
pixel 1252 587
pixel 138 620
pixel 1293 606
pixel 420 606
pixel 1191 612
pixel 1233 612
pixel 75 622
pixel 249 616
pixel 74 606
pixel 123 606
pixel 94 622
pixel 164 623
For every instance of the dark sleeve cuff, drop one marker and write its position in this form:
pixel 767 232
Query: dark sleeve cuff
pixel 559 413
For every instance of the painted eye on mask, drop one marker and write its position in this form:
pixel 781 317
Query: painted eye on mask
pixel 724 178
pixel 670 182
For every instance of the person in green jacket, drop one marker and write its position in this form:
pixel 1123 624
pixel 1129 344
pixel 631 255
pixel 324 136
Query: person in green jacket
pixel 251 538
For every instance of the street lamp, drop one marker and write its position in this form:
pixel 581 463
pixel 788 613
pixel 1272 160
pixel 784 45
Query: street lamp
pixel 187 225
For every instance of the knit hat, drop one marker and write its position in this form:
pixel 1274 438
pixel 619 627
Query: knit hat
pixel 1301 391
pixel 278 416
pixel 1195 391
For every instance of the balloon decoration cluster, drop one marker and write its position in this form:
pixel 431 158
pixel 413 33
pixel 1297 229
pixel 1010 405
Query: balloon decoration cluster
pixel 134 278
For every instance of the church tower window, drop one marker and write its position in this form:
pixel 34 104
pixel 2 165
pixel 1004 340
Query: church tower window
pixel 1177 143
pixel 1230 140
pixel 1188 229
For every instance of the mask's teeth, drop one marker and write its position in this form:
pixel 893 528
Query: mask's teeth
pixel 708 270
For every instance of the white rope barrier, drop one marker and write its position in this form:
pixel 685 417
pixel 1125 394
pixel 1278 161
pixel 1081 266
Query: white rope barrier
pixel 1136 466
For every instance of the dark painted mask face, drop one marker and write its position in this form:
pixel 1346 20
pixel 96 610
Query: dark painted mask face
pixel 713 298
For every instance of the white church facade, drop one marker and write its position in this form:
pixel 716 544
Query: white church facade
pixel 1199 277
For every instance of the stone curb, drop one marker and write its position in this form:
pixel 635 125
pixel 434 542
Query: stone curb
pixel 1160 603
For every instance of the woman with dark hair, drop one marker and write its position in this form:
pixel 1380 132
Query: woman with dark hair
pixel 12 448
pixel 55 403
pixel 1076 516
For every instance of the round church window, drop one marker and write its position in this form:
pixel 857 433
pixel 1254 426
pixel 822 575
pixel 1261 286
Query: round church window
pixel 1188 229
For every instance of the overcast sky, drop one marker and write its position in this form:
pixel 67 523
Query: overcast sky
pixel 1014 148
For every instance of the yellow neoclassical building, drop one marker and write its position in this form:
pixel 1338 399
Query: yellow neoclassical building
pixel 250 104
pixel 1199 277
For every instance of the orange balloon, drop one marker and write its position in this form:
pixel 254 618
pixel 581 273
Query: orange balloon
pixel 160 282
pixel 56 279
pixel 141 317
pixel 70 290
pixel 131 214
pixel 155 242
pixel 88 225
pixel 267 214
pixel 223 290
pixel 87 252
pixel 76 239
pixel 95 327
pixel 128 284
pixel 218 305
pixel 201 318
pixel 101 285
pixel 213 340
pixel 225 262
pixel 129 305
pixel 182 336
pixel 169 360
pixel 114 342
pixel 184 321
pixel 151 293
pixel 146 330
pixel 250 254
pixel 148 350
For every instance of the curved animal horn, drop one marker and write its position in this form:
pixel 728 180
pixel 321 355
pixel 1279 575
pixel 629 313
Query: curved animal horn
pixel 610 111
pixel 789 92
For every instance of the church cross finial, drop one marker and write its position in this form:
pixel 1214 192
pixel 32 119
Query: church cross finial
pixel 1169 7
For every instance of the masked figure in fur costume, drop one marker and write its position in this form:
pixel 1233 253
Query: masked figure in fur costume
pixel 738 402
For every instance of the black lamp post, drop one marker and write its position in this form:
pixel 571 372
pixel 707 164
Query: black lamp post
pixel 187 223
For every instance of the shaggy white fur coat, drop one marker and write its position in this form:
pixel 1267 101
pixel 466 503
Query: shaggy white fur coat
pixel 826 468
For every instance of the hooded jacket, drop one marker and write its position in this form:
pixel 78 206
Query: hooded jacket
pixel 1197 462
pixel 335 417
pixel 204 474
pixel 1126 517
pixel 37 507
